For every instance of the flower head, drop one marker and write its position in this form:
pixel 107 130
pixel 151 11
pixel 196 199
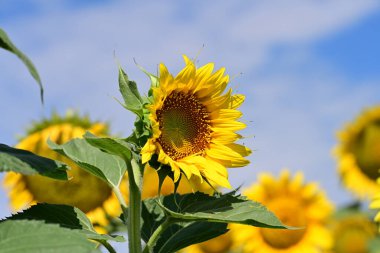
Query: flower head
pixel 83 190
pixel 358 154
pixel 295 204
pixel 194 124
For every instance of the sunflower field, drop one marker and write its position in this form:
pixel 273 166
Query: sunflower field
pixel 74 186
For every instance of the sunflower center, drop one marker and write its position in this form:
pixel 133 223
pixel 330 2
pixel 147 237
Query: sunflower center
pixel 290 213
pixel 185 126
pixel 84 190
pixel 367 150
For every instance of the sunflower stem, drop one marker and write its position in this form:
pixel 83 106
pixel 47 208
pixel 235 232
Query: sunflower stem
pixel 134 210
pixel 107 246
pixel 156 234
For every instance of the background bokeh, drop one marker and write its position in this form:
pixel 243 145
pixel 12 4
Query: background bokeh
pixel 306 68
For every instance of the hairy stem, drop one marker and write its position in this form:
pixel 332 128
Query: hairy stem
pixel 134 210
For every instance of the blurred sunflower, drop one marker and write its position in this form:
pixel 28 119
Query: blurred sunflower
pixel 358 154
pixel 295 204
pixel 352 233
pixel 220 244
pixel 83 190
pixel 194 125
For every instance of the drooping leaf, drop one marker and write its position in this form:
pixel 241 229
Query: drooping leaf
pixel 112 146
pixel 108 167
pixel 226 208
pixel 20 236
pixel 181 235
pixel 64 216
pixel 130 93
pixel 122 149
pixel 25 162
pixel 7 44
pixel 178 235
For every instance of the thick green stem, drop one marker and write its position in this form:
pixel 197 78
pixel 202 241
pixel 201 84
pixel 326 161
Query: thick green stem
pixel 108 246
pixel 134 210
pixel 156 234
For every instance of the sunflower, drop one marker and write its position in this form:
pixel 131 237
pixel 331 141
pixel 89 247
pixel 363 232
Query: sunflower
pixel 220 244
pixel 83 190
pixel 358 154
pixel 194 124
pixel 295 204
pixel 352 233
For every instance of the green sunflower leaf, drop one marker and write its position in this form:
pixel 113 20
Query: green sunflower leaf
pixel 178 235
pixel 64 216
pixel 181 235
pixel 130 93
pixel 20 236
pixel 227 208
pixel 7 44
pixel 112 146
pixel 27 163
pixel 108 167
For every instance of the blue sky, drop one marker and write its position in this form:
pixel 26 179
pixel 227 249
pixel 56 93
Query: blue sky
pixel 306 68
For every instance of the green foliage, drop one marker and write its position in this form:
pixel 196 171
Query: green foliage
pixel 64 216
pixel 181 235
pixel 107 167
pixel 177 235
pixel 227 208
pixel 182 220
pixel 112 146
pixel 20 236
pixel 130 93
pixel 6 43
pixel 27 163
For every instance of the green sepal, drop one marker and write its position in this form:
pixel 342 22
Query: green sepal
pixel 27 163
pixel 154 80
pixel 6 43
pixel 130 93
